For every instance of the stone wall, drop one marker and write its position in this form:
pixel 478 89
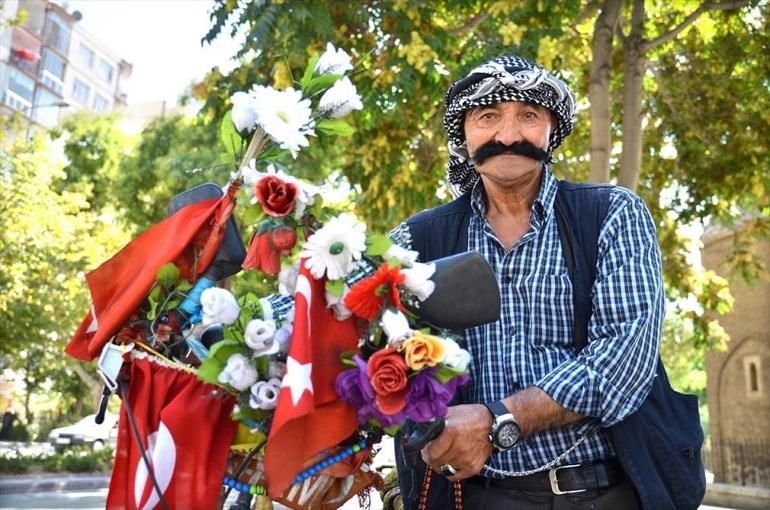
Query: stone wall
pixel 738 385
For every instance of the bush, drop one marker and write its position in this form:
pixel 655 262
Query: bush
pixel 16 464
pixel 75 460
pixel 18 432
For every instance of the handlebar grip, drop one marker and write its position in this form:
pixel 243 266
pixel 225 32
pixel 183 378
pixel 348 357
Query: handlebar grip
pixel 99 419
pixel 417 435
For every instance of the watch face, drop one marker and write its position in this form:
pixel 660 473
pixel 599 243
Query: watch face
pixel 507 435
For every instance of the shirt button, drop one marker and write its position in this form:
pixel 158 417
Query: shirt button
pixel 507 279
pixel 511 331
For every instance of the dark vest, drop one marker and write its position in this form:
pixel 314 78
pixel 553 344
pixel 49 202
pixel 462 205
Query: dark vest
pixel 658 445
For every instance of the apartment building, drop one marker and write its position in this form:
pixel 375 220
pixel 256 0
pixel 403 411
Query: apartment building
pixel 52 66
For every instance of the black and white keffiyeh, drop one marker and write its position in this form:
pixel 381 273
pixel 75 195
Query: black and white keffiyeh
pixel 508 78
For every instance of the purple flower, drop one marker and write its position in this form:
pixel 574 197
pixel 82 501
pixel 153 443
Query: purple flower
pixel 428 398
pixel 353 387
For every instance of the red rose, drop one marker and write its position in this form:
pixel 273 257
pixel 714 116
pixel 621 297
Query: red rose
pixel 276 196
pixel 387 374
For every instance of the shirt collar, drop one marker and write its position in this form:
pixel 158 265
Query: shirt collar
pixel 542 206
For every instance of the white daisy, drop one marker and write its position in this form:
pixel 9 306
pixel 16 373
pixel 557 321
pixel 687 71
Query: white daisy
pixel 333 61
pixel 285 116
pixel 335 247
pixel 341 99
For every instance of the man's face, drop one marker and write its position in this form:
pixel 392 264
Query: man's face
pixel 508 123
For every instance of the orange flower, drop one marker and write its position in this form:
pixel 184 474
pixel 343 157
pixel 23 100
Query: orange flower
pixel 366 297
pixel 421 350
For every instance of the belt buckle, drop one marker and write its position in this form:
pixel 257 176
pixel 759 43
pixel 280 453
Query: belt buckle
pixel 555 482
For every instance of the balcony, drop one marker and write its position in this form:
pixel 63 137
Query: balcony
pixel 17 102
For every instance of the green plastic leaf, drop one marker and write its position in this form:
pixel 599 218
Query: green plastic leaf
pixel 336 127
pixel 209 370
pixel 336 287
pixel 444 373
pixel 247 413
pixel 168 275
pixel 253 214
pixel 223 350
pixel 319 83
pixel 392 431
pixel 309 70
pixel 230 137
pixel 377 245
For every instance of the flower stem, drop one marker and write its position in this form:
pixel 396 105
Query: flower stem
pixel 256 146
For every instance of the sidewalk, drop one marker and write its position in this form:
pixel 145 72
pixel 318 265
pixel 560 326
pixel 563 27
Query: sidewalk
pixel 52 482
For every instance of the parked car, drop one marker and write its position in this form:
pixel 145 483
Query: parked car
pixel 86 432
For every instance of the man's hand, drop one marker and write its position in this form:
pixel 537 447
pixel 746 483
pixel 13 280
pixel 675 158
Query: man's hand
pixel 464 443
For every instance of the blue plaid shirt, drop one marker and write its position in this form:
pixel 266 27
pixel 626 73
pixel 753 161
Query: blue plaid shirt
pixel 531 344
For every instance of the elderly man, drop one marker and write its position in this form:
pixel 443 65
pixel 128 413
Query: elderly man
pixel 533 402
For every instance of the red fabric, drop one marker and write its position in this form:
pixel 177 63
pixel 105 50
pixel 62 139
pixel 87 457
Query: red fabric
pixel 119 286
pixel 186 429
pixel 308 422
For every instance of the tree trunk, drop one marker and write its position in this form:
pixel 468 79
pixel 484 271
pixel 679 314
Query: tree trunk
pixel 633 76
pixel 27 397
pixel 94 384
pixel 599 90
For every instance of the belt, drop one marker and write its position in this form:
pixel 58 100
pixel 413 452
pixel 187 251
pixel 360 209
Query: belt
pixel 560 480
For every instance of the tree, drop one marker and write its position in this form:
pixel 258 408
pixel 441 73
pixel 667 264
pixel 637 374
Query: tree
pixel 626 58
pixel 94 146
pixel 172 154
pixel 47 240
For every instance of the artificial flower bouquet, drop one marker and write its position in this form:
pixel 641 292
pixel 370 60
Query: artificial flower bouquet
pixel 362 290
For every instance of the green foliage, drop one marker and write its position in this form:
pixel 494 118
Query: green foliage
pixel 47 239
pixel 72 460
pixel 94 145
pixel 173 154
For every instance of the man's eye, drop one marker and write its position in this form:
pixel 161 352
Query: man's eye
pixel 487 115
pixel 530 115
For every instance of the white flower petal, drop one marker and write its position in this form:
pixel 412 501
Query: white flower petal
pixel 238 373
pixel 395 325
pixel 333 61
pixel 346 237
pixel 418 280
pixel 341 99
pixel 407 258
pixel 219 306
pixel 456 356
pixel 285 116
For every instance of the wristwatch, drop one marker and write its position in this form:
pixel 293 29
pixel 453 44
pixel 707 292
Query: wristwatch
pixel 505 431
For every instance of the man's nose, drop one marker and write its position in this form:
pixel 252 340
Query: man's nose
pixel 509 131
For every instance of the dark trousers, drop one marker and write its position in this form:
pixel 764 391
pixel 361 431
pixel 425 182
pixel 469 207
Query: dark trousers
pixel 616 497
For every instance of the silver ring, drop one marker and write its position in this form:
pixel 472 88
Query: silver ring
pixel 447 470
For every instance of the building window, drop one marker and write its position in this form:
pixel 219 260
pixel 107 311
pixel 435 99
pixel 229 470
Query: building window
pixel 101 105
pixel 80 92
pixel 19 91
pixel 85 56
pixel 752 369
pixel 105 71
pixel 52 71
pixel 47 107
pixel 57 33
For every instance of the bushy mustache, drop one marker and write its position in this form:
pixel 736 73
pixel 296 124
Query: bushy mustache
pixel 522 148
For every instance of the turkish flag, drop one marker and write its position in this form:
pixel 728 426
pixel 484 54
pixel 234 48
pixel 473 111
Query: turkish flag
pixel 309 417
pixel 185 427
pixel 119 286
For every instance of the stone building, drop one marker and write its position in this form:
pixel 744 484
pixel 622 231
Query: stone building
pixel 738 385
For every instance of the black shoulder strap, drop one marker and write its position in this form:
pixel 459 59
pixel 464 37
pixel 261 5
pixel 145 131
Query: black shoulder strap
pixel 442 231
pixel 580 213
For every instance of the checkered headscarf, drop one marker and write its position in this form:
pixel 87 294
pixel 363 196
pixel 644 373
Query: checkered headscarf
pixel 507 78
